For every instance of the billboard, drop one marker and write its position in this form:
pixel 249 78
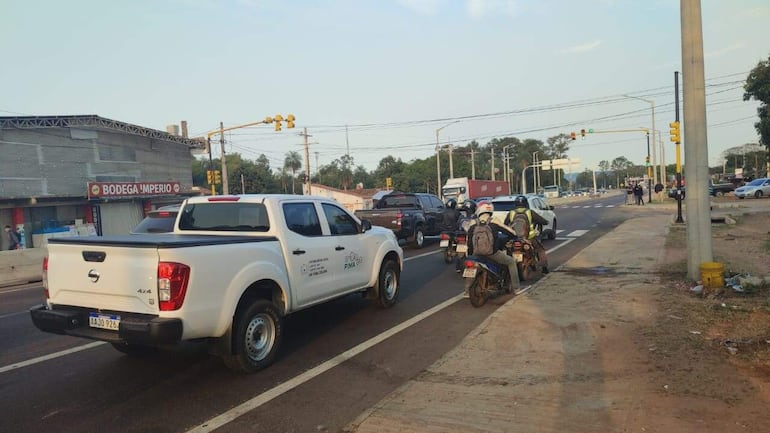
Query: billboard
pixel 131 189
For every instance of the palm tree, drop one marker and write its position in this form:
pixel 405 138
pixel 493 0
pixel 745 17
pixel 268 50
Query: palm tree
pixel 292 162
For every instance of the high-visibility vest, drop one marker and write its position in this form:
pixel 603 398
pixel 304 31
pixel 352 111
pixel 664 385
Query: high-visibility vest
pixel 528 213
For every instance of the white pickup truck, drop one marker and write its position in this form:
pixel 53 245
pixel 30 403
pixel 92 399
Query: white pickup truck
pixel 233 267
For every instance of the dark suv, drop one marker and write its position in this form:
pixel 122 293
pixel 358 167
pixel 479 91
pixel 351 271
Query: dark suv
pixel 160 220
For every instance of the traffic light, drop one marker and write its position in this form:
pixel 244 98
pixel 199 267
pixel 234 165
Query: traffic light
pixel 572 135
pixel 675 132
pixel 290 121
pixel 217 177
pixel 388 183
pixel 647 161
pixel 209 177
pixel 583 133
pixel 278 119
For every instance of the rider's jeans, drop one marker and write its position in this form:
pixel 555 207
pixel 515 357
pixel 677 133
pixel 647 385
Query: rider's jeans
pixel 504 259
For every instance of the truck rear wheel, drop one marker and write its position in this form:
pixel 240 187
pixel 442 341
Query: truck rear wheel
pixel 257 334
pixel 419 237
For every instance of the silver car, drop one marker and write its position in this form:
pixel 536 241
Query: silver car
pixel 756 188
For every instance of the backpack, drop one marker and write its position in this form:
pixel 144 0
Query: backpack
pixel 520 224
pixel 483 240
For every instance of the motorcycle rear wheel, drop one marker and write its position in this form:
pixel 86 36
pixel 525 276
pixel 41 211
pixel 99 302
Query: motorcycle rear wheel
pixel 523 268
pixel 448 256
pixel 476 291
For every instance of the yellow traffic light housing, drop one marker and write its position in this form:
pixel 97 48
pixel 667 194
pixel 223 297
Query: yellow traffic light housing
pixel 675 132
pixel 572 135
pixel 217 177
pixel 209 177
pixel 583 133
pixel 290 121
pixel 647 161
pixel 388 182
pixel 277 125
pixel 268 119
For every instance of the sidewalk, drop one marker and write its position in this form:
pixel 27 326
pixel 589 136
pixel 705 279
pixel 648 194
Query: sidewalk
pixel 565 357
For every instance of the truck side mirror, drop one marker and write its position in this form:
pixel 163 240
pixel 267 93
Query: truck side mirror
pixel 365 226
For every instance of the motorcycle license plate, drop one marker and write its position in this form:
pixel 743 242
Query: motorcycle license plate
pixel 518 257
pixel 469 273
pixel 444 243
pixel 462 248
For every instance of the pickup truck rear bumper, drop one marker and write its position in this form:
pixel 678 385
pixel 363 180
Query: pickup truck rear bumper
pixel 133 328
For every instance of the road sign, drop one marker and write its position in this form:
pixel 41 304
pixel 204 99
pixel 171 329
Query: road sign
pixel 563 163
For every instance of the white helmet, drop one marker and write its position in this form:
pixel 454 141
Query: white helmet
pixel 484 207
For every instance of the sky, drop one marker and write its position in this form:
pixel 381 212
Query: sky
pixel 374 78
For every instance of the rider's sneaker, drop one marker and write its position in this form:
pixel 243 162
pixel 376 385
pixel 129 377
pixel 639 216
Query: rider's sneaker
pixel 545 270
pixel 465 294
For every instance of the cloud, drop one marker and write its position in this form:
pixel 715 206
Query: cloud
pixel 425 7
pixel 725 50
pixel 477 9
pixel 583 48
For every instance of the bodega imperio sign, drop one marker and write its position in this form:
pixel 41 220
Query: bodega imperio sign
pixel 131 189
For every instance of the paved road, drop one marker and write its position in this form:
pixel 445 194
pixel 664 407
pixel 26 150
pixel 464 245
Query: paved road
pixel 338 359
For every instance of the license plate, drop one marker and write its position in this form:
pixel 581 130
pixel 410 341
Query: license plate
pixel 444 243
pixel 462 248
pixel 469 273
pixel 518 257
pixel 104 321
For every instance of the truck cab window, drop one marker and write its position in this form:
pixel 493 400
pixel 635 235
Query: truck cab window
pixel 302 218
pixel 340 223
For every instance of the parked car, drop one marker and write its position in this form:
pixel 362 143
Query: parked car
pixel 503 204
pixel 756 188
pixel 160 220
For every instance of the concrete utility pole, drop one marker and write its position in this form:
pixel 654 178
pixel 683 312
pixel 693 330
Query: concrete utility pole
pixel 307 161
pixel 493 162
pixel 697 201
pixel 451 166
pixel 225 187
pixel 473 164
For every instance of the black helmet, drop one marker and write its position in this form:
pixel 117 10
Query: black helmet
pixel 521 201
pixel 451 203
pixel 469 206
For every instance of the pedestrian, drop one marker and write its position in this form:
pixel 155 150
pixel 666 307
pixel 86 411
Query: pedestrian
pixel 639 194
pixel 13 238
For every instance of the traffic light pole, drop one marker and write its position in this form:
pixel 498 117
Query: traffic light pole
pixel 679 219
pixel 649 178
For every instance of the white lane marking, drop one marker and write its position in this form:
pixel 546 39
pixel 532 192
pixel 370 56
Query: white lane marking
pixel 406 259
pixel 566 241
pixel 296 381
pixel 13 314
pixel 586 207
pixel 576 233
pixel 2 291
pixel 50 356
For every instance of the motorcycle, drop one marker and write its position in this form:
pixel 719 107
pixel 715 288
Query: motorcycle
pixel 485 279
pixel 527 260
pixel 448 241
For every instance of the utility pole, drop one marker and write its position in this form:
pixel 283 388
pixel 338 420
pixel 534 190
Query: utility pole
pixel 307 161
pixel 316 163
pixel 473 164
pixel 493 163
pixel 225 186
pixel 451 166
pixel 699 242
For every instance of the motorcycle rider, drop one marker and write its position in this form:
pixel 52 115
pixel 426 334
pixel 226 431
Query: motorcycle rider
pixel 484 216
pixel 521 207
pixel 451 215
pixel 467 215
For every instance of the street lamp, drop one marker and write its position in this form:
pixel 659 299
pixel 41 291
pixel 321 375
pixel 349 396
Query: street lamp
pixel 438 160
pixel 654 152
pixel 534 174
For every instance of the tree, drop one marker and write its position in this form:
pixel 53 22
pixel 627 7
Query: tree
pixel 292 162
pixel 619 165
pixel 757 87
pixel 604 166
pixel 557 148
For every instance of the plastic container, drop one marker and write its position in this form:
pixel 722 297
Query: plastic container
pixel 712 274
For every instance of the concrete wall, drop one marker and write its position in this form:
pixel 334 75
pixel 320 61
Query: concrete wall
pixel 21 266
pixel 59 161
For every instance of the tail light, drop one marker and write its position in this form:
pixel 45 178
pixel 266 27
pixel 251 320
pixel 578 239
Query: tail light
pixel 172 285
pixel 45 276
pixel 462 239
pixel 399 217
pixel 470 264
pixel 517 245
pixel 444 237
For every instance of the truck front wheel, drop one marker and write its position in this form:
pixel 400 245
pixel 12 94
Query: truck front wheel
pixel 388 284
pixel 257 334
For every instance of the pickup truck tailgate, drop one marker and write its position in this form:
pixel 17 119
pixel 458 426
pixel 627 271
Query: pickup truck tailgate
pixel 103 277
